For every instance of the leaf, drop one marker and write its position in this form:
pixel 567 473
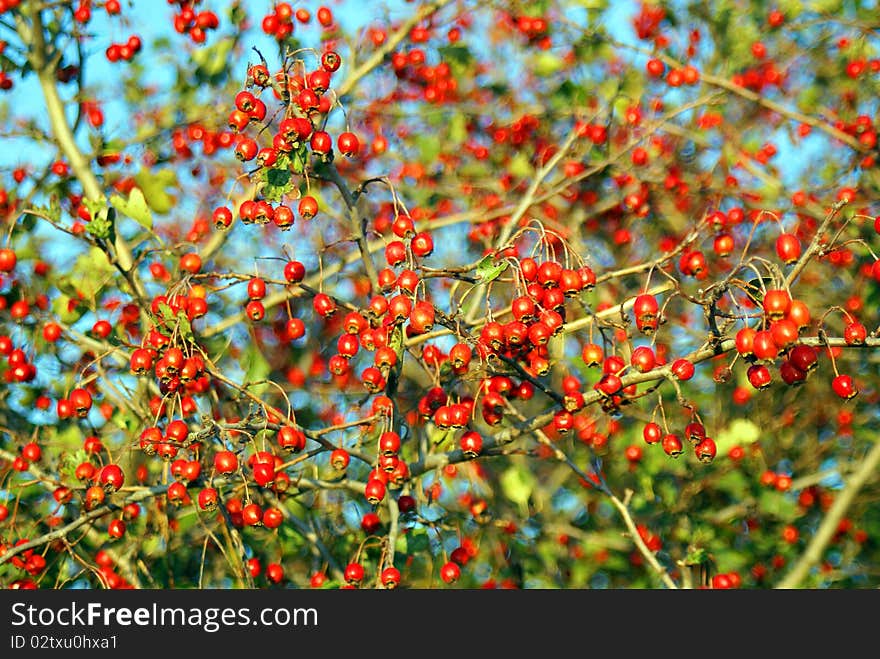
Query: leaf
pixel 66 312
pixel 278 184
pixel 429 147
pixel 256 367
pixel 134 207
pixel 755 291
pixel 185 327
pixel 416 542
pixel 488 269
pixel 458 54
pixel 697 557
pixel 517 484
pixel 520 166
pixel 738 433
pixel 212 60
pixel 777 504
pixel 95 206
pixel 457 129
pixel 89 274
pixel 547 64
pixel 155 184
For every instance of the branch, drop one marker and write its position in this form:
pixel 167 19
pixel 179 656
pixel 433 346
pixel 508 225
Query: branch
pixel 356 223
pixel 815 245
pixel 390 44
pixel 34 38
pixel 828 529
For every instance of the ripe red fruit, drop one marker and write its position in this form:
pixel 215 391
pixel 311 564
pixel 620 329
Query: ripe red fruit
pixel 422 244
pixel 321 142
pixel 759 376
pixel 291 439
pixel 652 433
pixel 294 272
pixel 643 359
pixel 325 16
pixel 788 248
pixel 256 289
pixel 450 572
pixel 308 207
pixel 672 445
pixel 763 345
pixel 225 462
pixel 855 333
pixel 111 477
pixel 655 68
pixel 354 573
pixel 255 310
pixel 645 310
pixel 8 259
pixel 705 450
pixel 252 514
pixel 804 357
pixel 272 518
pixel 784 333
pixel 94 496
pixel 390 577
pixel 374 491
pixel 395 253
pixel 274 571
pixel 745 341
pixel 81 400
pixel 723 244
pixel 471 444
pixel 844 386
pixel 776 303
pixel 683 369
pixel 116 528
pixel 348 144
pixel 389 443
pixel 208 499
pixel 340 459
pixel 330 60
pixel 592 354
pixel 324 305
pixel 295 329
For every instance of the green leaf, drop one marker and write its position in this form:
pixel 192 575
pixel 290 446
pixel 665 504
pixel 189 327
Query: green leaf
pixel 458 54
pixel 740 432
pixel 517 483
pixel 100 227
pixel 547 64
pixel 278 184
pixel 777 504
pixel 457 129
pixel 520 166
pixel 155 185
pixel 697 557
pixel 488 269
pixel 429 147
pixel 95 206
pixel 61 308
pixel 395 342
pixel 414 542
pixel 134 207
pixel 212 60
pixel 256 367
pixel 89 274
pixel 185 327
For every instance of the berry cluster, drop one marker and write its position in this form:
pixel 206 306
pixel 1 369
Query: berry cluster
pixel 124 51
pixel 296 137
pixel 192 23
